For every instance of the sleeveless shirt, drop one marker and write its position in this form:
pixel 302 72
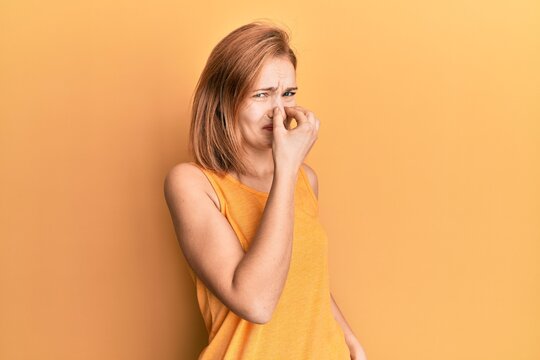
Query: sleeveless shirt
pixel 302 326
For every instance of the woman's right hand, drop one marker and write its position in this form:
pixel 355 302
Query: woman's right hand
pixel 291 146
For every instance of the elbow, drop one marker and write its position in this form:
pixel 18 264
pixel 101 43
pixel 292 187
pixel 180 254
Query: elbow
pixel 260 315
pixel 253 306
pixel 257 312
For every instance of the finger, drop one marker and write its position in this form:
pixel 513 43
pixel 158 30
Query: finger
pixel 310 116
pixel 303 109
pixel 297 114
pixel 288 120
pixel 317 124
pixel 299 108
pixel 277 118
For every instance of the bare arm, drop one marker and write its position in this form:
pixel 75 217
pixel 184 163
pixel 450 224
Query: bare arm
pixel 313 179
pixel 263 270
pixel 355 348
pixel 250 283
pixel 338 315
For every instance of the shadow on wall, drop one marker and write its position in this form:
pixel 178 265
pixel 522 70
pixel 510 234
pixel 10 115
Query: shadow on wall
pixel 192 324
pixel 187 335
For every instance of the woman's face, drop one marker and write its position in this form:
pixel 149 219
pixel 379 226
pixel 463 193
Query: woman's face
pixel 275 86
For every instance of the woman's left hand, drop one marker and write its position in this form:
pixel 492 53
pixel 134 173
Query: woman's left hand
pixel 356 350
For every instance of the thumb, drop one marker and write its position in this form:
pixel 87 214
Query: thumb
pixel 277 119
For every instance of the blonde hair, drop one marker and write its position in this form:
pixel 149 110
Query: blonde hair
pixel 229 73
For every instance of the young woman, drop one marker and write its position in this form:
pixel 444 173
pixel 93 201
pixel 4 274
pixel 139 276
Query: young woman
pixel 245 210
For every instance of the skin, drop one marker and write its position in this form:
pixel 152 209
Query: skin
pixel 256 112
pixel 355 348
pixel 250 283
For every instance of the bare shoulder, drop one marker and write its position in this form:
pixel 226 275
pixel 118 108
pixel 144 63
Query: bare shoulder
pixel 313 179
pixel 187 176
pixel 183 174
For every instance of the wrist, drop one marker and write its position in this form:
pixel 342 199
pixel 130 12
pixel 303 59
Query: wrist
pixel 286 172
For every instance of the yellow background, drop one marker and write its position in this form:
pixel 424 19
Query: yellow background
pixel 428 162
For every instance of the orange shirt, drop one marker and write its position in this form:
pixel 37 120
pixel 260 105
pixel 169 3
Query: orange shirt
pixel 302 326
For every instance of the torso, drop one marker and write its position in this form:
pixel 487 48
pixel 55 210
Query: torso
pixel 302 322
pixel 255 184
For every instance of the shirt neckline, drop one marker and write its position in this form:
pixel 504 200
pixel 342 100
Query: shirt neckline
pixel 255 191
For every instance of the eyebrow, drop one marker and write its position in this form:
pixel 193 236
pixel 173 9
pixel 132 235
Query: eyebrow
pixel 274 89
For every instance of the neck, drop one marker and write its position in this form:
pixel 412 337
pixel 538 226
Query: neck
pixel 260 163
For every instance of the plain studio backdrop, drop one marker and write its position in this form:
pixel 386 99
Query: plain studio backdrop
pixel 428 162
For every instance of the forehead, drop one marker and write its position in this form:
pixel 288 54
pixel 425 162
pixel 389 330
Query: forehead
pixel 276 70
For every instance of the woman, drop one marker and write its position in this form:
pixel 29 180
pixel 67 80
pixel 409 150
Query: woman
pixel 246 213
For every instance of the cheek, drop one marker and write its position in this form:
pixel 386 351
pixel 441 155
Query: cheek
pixel 250 120
pixel 255 112
pixel 290 101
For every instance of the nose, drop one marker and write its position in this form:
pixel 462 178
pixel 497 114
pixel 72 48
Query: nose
pixel 276 101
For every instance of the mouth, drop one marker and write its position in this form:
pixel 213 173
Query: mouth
pixel 268 127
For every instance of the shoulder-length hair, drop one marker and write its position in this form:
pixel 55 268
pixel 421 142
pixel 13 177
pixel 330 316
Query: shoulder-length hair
pixel 228 76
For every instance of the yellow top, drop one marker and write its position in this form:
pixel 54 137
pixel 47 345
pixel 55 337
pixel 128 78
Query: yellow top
pixel 302 326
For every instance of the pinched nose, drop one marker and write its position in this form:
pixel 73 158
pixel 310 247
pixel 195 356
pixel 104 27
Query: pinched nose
pixel 281 106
